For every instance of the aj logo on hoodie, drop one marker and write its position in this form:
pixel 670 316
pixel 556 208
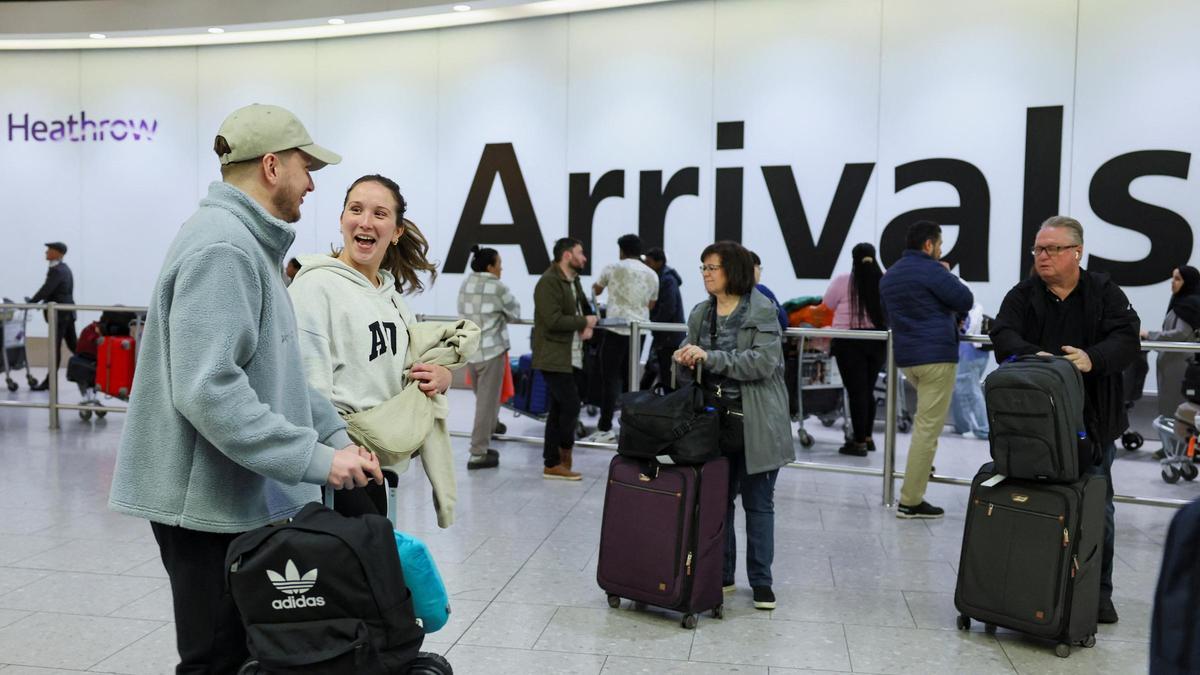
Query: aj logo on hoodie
pixel 382 334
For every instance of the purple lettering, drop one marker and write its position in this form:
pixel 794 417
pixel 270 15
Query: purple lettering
pixel 57 131
pixel 84 124
pixel 123 132
pixel 23 127
pixel 38 131
pixel 71 127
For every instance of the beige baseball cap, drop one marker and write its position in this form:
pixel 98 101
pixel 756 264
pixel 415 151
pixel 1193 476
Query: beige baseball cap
pixel 256 130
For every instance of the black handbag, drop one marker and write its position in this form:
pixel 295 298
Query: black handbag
pixel 679 425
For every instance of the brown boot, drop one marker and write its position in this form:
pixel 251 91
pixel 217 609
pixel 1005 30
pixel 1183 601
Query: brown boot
pixel 565 453
pixel 560 472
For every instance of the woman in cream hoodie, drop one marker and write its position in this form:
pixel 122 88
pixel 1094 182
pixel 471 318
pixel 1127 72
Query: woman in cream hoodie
pixel 351 312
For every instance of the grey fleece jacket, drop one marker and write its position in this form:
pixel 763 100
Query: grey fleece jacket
pixel 757 365
pixel 220 431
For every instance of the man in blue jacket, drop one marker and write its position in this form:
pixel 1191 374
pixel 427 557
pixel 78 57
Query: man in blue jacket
pixel 922 300
pixel 668 308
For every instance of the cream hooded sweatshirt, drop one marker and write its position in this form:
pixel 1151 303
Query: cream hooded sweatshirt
pixel 353 336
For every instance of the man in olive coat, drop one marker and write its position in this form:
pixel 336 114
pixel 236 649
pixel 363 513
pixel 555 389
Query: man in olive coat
pixel 562 320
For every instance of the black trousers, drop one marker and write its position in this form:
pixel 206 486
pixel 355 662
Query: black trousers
pixel 66 334
pixel 562 414
pixel 614 373
pixel 658 365
pixel 859 362
pixel 208 630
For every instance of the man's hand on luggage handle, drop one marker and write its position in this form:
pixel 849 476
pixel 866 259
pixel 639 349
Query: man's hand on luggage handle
pixel 354 466
pixel 434 379
pixel 1079 357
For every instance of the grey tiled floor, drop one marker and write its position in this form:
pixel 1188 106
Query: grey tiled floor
pixel 81 588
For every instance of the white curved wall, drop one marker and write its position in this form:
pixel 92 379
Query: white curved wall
pixel 819 84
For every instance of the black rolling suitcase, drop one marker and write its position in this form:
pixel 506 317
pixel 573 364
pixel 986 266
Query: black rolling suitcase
pixel 1031 558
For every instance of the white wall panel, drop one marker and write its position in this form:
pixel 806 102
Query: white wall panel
pixel 1136 90
pixel 136 193
pixel 804 76
pixel 377 107
pixel 39 181
pixel 957 80
pixel 501 83
pixel 641 99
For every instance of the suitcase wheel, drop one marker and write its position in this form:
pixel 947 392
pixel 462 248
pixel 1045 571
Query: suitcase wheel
pixel 719 612
pixel 1089 641
pixel 614 601
pixel 12 386
pixel 101 413
pixel 31 380
pixel 964 622
pixel 428 663
pixel 1132 440
pixel 1189 471
pixel 85 415
pixel 1062 650
pixel 806 439
pixel 1170 474
pixel 689 621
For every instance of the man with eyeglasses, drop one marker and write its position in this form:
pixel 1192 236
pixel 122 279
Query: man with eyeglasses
pixel 1065 310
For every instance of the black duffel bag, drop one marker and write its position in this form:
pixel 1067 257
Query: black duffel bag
pixel 679 425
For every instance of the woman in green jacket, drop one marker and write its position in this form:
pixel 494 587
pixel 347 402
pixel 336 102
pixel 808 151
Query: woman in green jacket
pixel 735 337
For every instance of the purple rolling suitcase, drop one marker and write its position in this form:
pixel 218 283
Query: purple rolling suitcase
pixel 662 540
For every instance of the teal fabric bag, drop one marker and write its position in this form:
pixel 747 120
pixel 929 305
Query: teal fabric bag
pixel 430 602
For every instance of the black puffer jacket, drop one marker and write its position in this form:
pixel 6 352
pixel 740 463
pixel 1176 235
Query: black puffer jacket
pixel 1110 338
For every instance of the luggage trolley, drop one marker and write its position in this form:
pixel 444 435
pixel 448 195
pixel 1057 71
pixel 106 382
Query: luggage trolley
pixel 819 391
pixel 14 353
pixel 1178 438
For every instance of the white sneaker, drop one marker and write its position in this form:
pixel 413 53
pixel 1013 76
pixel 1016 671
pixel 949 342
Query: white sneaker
pixel 602 437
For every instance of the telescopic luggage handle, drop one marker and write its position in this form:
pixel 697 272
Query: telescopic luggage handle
pixel 675 373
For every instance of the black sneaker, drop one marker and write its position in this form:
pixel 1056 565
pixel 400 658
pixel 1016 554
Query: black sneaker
pixel 488 461
pixel 1108 612
pixel 853 449
pixel 764 598
pixel 922 510
pixel 500 429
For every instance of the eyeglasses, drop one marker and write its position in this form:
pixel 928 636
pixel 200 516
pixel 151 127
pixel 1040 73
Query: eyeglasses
pixel 709 268
pixel 1051 250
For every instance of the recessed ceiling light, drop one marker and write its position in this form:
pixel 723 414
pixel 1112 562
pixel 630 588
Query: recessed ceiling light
pixel 336 22
pixel 216 31
pixel 97 36
pixel 462 8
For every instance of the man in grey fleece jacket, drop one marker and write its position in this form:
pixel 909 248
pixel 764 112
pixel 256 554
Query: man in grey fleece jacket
pixel 224 434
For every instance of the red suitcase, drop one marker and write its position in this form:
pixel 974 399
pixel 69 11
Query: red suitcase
pixel 662 539
pixel 114 365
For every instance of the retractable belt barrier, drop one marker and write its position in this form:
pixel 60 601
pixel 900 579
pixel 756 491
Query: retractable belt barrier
pixel 636 329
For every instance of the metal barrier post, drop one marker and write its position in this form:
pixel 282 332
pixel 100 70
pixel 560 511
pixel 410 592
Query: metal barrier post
pixel 889 426
pixel 635 353
pixel 52 361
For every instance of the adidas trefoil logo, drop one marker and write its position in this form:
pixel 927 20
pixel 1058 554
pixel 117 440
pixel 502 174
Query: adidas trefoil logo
pixel 295 586
pixel 291 582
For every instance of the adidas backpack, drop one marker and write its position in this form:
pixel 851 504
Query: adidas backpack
pixel 323 593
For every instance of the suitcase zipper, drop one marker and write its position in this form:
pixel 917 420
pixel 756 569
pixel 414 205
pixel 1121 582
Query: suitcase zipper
pixel 646 489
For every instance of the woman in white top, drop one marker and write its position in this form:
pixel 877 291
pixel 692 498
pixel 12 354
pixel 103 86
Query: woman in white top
pixel 351 312
pixel 484 299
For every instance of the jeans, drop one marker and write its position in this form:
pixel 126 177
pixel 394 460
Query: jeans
pixel 859 362
pixel 562 415
pixel 758 501
pixel 967 409
pixel 1109 452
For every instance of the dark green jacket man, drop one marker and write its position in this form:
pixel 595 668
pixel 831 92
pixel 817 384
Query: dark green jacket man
pixel 558 314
